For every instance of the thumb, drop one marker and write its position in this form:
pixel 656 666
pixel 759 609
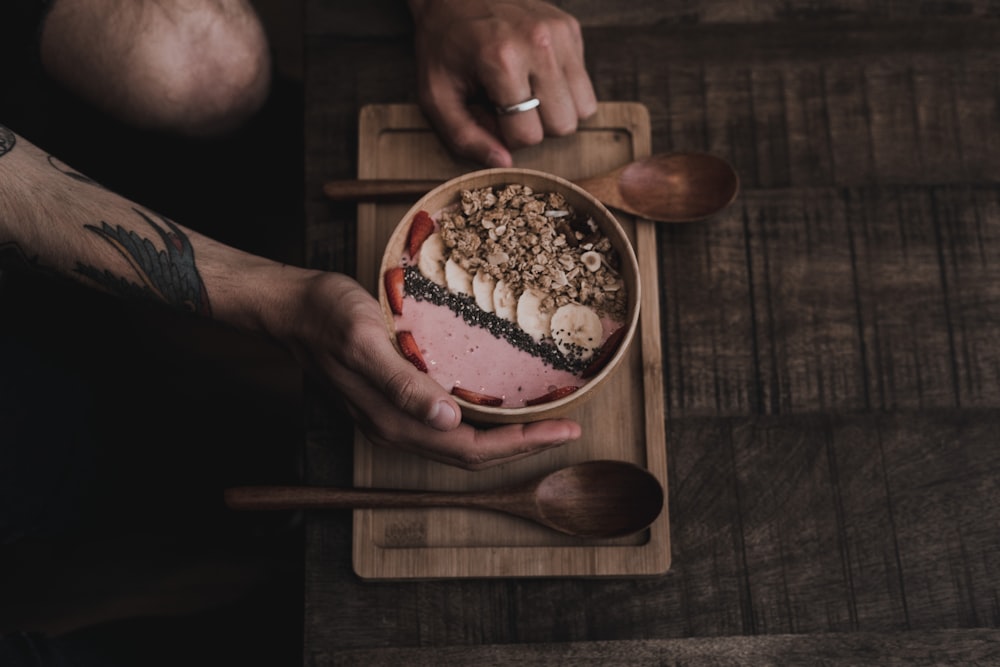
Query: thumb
pixel 374 372
pixel 412 390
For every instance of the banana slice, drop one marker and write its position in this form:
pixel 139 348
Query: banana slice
pixel 457 279
pixel 530 317
pixel 483 285
pixel 505 301
pixel 431 259
pixel 576 330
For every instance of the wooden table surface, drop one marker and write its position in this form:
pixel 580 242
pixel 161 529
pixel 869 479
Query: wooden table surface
pixel 831 346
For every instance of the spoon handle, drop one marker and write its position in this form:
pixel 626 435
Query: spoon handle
pixel 367 189
pixel 317 497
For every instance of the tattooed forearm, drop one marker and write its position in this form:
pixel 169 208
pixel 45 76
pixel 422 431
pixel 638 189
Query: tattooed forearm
pixel 167 275
pixel 7 140
pixel 65 169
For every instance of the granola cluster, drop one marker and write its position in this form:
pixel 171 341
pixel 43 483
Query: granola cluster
pixel 535 240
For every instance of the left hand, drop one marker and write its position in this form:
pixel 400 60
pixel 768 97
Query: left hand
pixel 336 330
pixel 511 50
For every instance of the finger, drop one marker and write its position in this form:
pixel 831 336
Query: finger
pixel 581 89
pixel 473 449
pixel 384 422
pixel 523 128
pixel 433 429
pixel 575 71
pixel 510 443
pixel 557 110
pixel 509 84
pixel 447 109
pixel 465 446
pixel 378 370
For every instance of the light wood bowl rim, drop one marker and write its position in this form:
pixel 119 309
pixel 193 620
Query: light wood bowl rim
pixel 581 200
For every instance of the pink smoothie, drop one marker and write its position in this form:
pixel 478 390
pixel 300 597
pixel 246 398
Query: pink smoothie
pixel 458 354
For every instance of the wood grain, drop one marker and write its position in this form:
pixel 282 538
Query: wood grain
pixel 851 523
pixel 624 422
pixel 388 18
pixel 952 647
pixel 830 350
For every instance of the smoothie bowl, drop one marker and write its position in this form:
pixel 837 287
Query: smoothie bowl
pixel 513 288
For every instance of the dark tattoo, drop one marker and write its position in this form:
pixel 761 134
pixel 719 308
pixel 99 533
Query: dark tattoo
pixel 65 169
pixel 7 140
pixel 167 275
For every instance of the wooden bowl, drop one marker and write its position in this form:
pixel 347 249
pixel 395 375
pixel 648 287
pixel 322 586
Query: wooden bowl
pixel 448 194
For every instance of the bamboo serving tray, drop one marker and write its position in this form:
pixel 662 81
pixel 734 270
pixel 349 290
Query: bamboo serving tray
pixel 625 421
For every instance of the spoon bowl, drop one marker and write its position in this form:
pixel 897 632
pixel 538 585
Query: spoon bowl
pixel 664 187
pixel 594 499
pixel 599 499
pixel 668 187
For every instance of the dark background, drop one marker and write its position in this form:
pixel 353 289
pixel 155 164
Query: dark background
pixel 152 414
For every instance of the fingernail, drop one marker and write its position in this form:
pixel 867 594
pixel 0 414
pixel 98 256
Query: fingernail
pixel 442 416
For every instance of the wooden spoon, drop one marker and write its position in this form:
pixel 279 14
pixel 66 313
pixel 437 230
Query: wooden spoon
pixel 666 187
pixel 594 499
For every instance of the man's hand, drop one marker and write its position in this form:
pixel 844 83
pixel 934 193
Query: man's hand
pixel 340 334
pixel 511 51
pixel 68 224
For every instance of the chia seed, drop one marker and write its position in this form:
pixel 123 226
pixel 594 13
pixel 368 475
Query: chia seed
pixel 423 289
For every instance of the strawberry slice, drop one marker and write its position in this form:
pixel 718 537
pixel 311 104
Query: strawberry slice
pixel 394 289
pixel 475 397
pixel 410 349
pixel 553 395
pixel 421 227
pixel 604 354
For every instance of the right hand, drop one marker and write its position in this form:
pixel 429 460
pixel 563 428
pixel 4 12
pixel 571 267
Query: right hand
pixel 511 51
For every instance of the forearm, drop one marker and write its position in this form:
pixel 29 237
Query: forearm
pixel 56 219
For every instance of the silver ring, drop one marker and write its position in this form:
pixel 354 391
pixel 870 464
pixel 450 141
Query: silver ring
pixel 526 105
